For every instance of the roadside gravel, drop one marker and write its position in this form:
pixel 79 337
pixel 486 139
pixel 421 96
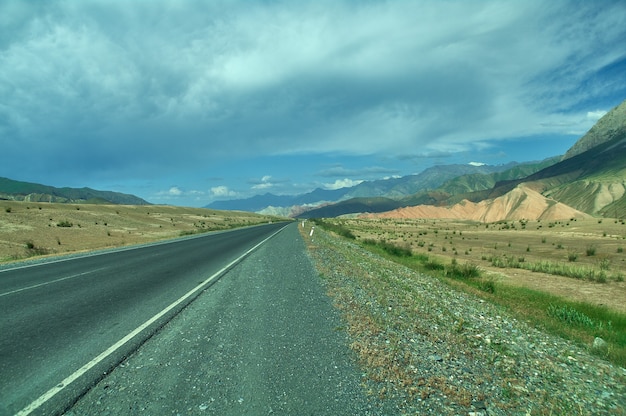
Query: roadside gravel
pixel 263 340
pixel 432 350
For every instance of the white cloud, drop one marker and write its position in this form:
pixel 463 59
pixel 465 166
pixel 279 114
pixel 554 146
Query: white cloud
pixel 174 191
pixel 222 191
pixel 595 115
pixel 342 183
pixel 476 163
pixel 222 81
pixel 265 183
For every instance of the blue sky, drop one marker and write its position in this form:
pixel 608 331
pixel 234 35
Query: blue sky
pixel 187 102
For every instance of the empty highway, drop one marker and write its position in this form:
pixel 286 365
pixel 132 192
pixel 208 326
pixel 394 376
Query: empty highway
pixel 66 323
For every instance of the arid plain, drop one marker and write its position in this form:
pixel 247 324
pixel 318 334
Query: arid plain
pixel 583 259
pixel 29 229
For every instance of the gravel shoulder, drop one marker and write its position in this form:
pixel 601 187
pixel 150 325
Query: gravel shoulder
pixel 264 339
pixel 433 350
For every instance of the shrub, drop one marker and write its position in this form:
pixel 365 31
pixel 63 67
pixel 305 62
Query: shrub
pixel 591 251
pixel 433 265
pixel 7 209
pixel 395 250
pixel 465 271
pixel 570 316
pixel 572 256
pixel 487 285
pixel 64 224
pixel 33 250
pixel 604 264
pixel 336 228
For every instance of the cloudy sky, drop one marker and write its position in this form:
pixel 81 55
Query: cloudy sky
pixel 187 102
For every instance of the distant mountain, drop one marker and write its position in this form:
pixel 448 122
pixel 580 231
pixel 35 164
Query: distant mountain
pixel 590 179
pixel 450 191
pixel 522 203
pixel 351 206
pixel 480 181
pixel 393 188
pixel 34 192
pixel 259 203
pixel 610 126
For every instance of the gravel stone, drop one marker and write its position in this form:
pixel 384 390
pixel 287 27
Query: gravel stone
pixel 460 355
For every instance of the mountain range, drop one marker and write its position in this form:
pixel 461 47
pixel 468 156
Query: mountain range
pixel 590 179
pixel 390 192
pixel 34 192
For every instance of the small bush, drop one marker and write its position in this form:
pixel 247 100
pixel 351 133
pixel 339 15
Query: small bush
pixel 465 271
pixel 336 228
pixel 64 224
pixel 604 264
pixel 395 250
pixel 572 256
pixel 570 316
pixel 591 251
pixel 7 209
pixel 33 250
pixel 433 265
pixel 487 285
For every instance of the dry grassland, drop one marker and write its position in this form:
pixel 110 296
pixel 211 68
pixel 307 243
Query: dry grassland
pixel 592 247
pixel 30 229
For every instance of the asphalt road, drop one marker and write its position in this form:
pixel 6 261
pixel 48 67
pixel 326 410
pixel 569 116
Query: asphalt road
pixel 263 340
pixel 60 320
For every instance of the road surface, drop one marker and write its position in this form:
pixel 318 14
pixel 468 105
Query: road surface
pixel 264 340
pixel 61 319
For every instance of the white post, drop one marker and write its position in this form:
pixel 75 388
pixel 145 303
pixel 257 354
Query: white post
pixel 312 229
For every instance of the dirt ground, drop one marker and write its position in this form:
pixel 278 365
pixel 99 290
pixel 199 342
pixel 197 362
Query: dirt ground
pixel 30 229
pixel 526 241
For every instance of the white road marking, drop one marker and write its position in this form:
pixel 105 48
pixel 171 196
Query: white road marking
pixel 68 380
pixel 51 281
pixel 101 252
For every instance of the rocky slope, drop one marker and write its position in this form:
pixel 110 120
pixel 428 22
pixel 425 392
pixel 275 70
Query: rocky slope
pixel 590 180
pixel 520 203
pixel 611 125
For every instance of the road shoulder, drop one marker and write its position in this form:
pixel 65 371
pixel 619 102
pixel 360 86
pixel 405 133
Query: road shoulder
pixel 264 339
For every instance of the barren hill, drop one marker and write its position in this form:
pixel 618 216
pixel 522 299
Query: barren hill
pixel 610 126
pixel 520 203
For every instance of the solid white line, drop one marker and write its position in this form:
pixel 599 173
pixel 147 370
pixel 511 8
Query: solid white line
pixel 60 386
pixel 51 281
pixel 104 251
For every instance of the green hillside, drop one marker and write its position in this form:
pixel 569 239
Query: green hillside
pixel 34 192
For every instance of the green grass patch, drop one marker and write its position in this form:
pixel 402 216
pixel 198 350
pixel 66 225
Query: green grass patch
pixel 579 322
pixel 593 274
pixel 389 248
pixel 335 227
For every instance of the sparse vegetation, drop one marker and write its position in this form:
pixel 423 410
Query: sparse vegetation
pixel 62 228
pixel 534 305
pixel 335 227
